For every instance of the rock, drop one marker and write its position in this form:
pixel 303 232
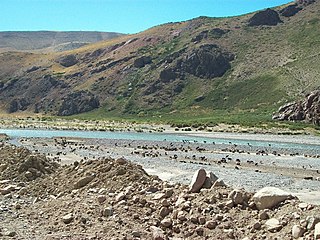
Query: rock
pixel 67 218
pixel 210 180
pixel 266 17
pixel 68 61
pixel 83 181
pixel 219 183
pixel 273 225
pixel 120 161
pixel 297 231
pixel 157 233
pixel 136 234
pixel 181 216
pixel 211 224
pixel 230 204
pixel 167 75
pixel 256 226
pixel 303 205
pixel 107 212
pixel 10 234
pixel 142 61
pixel 78 102
pixel 167 222
pixel 269 197
pixel 290 10
pixel 120 197
pixel 317 231
pixel 198 180
pixel 312 221
pixel 202 220
pixel 264 215
pixel 101 198
pixel 164 211
pixel 306 110
pixel 236 196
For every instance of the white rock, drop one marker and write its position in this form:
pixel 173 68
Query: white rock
pixel 317 231
pixel 167 222
pixel 297 231
pixel 120 196
pixel 273 225
pixel 269 197
pixel 198 180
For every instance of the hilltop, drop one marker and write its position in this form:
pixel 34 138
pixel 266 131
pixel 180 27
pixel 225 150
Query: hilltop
pixel 215 69
pixel 45 41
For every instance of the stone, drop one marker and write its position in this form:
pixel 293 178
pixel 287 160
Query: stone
pixel 157 233
pixel 181 216
pixel 211 224
pixel 159 196
pixel 290 10
pixel 312 221
pixel 121 196
pixel 198 180
pixel 11 234
pixel 101 198
pixel 67 218
pixel 68 61
pixel 210 180
pixel 267 17
pixel 273 225
pixel 256 226
pixel 136 234
pixel 236 196
pixel 167 222
pixel 297 231
pixel 107 212
pixel 229 203
pixel 83 181
pixel 269 197
pixel 121 161
pixel 164 211
pixel 303 205
pixel 202 220
pixel 264 215
pixel 219 183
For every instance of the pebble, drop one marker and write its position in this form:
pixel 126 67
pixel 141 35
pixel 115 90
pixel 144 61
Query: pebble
pixel 211 224
pixel 273 225
pixel 101 198
pixel 67 218
pixel 167 222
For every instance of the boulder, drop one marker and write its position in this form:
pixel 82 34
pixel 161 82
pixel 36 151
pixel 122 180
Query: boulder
pixel 68 61
pixel 269 197
pixel 211 178
pixel 290 10
pixel 267 17
pixel 142 61
pixel 198 180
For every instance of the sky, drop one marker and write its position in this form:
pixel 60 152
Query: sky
pixel 124 16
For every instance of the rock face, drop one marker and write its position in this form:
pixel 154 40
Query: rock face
pixel 269 197
pixel 68 61
pixel 290 10
pixel 208 61
pixel 307 110
pixel 78 102
pixel 267 17
pixel 19 104
pixel 142 61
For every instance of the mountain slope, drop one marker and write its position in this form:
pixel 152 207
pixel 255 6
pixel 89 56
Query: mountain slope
pixel 247 64
pixel 50 40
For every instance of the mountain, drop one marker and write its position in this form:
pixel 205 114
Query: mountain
pixel 216 69
pixel 50 40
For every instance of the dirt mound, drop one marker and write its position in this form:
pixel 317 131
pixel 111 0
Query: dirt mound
pixel 107 173
pixel 20 164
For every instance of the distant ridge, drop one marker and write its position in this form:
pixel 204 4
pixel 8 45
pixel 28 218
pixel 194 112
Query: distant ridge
pixel 50 40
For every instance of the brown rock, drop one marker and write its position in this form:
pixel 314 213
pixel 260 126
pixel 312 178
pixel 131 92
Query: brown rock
pixel 211 224
pixel 83 182
pixel 236 196
pixel 164 211
pixel 297 231
pixel 67 218
pixel 167 222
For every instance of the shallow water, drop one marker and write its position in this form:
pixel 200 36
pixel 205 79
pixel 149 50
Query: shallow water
pixel 227 139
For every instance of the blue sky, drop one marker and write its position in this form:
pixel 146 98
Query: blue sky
pixel 125 16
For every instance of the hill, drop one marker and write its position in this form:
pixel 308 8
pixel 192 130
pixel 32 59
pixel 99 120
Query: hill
pixel 237 69
pixel 50 40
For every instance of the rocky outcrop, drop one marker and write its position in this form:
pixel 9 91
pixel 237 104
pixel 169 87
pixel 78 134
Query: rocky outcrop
pixel 267 17
pixel 142 61
pixel 18 104
pixel 290 10
pixel 68 61
pixel 307 110
pixel 207 61
pixel 305 2
pixel 78 102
